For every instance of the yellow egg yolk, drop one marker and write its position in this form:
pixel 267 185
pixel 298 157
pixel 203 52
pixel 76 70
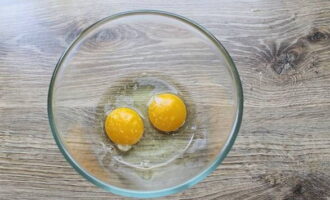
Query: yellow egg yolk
pixel 167 112
pixel 124 126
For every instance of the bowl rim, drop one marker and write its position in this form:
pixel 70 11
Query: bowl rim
pixel 167 191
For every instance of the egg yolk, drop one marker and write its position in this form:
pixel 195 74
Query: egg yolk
pixel 167 112
pixel 124 126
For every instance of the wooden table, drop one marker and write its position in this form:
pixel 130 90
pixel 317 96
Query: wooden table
pixel 282 52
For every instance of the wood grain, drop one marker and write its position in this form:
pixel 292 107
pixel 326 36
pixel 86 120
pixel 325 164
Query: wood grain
pixel 281 49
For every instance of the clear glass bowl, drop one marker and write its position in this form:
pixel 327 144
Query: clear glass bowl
pixel 122 61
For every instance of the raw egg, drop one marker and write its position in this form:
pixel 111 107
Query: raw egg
pixel 124 126
pixel 167 112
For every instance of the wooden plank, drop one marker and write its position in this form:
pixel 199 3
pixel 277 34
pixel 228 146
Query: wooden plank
pixel 281 50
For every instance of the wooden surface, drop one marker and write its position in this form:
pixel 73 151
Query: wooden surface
pixel 282 52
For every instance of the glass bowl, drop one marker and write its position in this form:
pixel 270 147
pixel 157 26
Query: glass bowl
pixel 124 60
